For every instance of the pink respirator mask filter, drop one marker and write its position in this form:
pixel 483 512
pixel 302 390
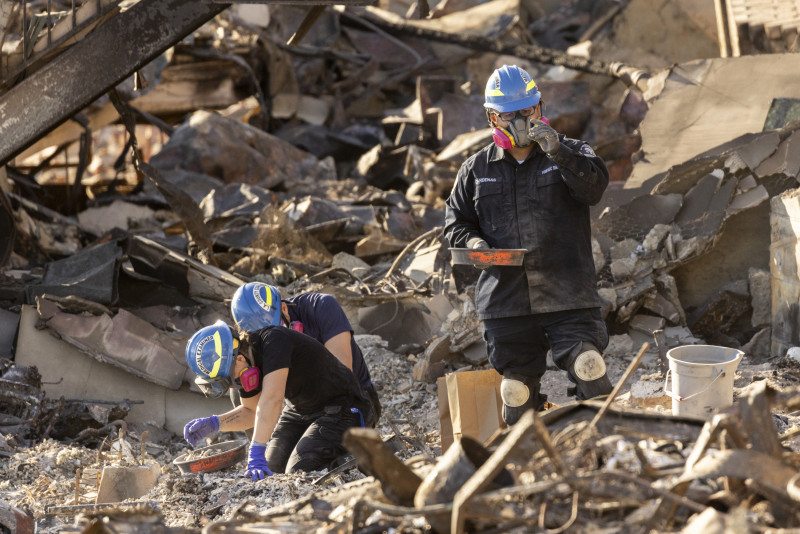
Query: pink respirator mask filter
pixel 504 140
pixel 250 378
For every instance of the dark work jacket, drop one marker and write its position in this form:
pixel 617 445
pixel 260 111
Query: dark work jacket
pixel 541 205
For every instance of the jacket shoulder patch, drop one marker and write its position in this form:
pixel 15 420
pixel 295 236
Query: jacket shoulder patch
pixel 586 150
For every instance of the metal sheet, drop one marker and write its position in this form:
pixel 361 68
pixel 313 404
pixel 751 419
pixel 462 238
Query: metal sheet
pixel 101 60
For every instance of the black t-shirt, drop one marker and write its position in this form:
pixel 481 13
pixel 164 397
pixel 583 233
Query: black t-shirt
pixel 316 378
pixel 323 318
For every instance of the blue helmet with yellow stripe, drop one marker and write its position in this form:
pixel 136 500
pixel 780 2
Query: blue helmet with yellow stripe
pixel 210 351
pixel 510 88
pixel 256 305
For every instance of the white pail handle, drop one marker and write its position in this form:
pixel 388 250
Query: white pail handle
pixel 679 398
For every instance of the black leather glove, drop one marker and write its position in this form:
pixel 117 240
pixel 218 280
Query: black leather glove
pixel 543 134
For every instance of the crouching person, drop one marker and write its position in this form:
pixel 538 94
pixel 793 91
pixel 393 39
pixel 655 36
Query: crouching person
pixel 273 364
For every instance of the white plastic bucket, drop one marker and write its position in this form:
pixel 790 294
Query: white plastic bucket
pixel 702 378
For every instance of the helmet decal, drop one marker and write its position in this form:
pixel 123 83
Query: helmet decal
pixel 199 352
pixel 257 289
pixel 210 351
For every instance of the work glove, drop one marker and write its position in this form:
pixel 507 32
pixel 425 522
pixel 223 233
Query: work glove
pixel 257 466
pixel 199 429
pixel 477 242
pixel 544 134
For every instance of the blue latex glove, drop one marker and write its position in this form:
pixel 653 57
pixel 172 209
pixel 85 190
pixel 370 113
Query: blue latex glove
pixel 199 429
pixel 257 467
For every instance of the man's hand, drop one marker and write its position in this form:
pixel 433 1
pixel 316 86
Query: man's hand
pixel 543 134
pixel 257 466
pixel 199 429
pixel 477 242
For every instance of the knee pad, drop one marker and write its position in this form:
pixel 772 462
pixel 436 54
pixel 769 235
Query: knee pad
pixel 588 372
pixel 589 364
pixel 515 393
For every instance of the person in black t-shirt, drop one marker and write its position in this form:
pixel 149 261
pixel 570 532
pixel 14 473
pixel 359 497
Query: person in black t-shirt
pixel 272 365
pixel 255 305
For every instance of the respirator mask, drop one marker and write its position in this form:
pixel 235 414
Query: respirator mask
pixel 515 133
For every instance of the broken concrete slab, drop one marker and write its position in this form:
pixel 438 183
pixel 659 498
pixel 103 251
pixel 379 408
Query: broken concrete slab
pixel 746 184
pixel 785 160
pixel 422 264
pixel 701 106
pixel 704 206
pixel 76 375
pixel 123 340
pixel 740 243
pixel 748 199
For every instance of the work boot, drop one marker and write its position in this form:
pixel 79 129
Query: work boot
pixel 588 373
pixel 519 393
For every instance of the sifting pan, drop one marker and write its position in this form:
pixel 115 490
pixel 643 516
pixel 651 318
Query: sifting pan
pixel 488 257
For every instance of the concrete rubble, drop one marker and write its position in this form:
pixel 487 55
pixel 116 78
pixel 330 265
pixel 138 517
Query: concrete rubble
pixel 323 166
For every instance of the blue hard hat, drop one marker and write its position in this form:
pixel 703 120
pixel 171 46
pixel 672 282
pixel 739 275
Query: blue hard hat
pixel 510 88
pixel 256 305
pixel 209 352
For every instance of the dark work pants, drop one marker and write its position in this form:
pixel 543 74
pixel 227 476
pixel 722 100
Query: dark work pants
pixel 308 442
pixel 519 345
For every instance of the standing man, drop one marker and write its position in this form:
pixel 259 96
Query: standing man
pixel 256 305
pixel 532 189
pixel 269 366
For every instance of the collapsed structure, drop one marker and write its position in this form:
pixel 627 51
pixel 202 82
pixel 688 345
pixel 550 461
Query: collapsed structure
pixel 323 166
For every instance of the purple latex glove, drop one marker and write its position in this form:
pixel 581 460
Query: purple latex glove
pixel 257 467
pixel 199 429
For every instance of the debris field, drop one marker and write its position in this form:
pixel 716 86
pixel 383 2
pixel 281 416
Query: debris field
pixel 177 150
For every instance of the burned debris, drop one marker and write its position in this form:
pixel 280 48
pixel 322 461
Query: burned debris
pixel 312 147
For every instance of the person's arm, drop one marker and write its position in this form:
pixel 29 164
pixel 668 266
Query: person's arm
pixel 240 418
pixel 270 404
pixel 461 224
pixel 583 171
pixel 339 346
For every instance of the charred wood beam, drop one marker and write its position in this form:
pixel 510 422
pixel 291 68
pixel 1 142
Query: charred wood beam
pixel 375 458
pixel 630 75
pixel 94 65
pixel 305 25
pixel 516 443
pixel 180 201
